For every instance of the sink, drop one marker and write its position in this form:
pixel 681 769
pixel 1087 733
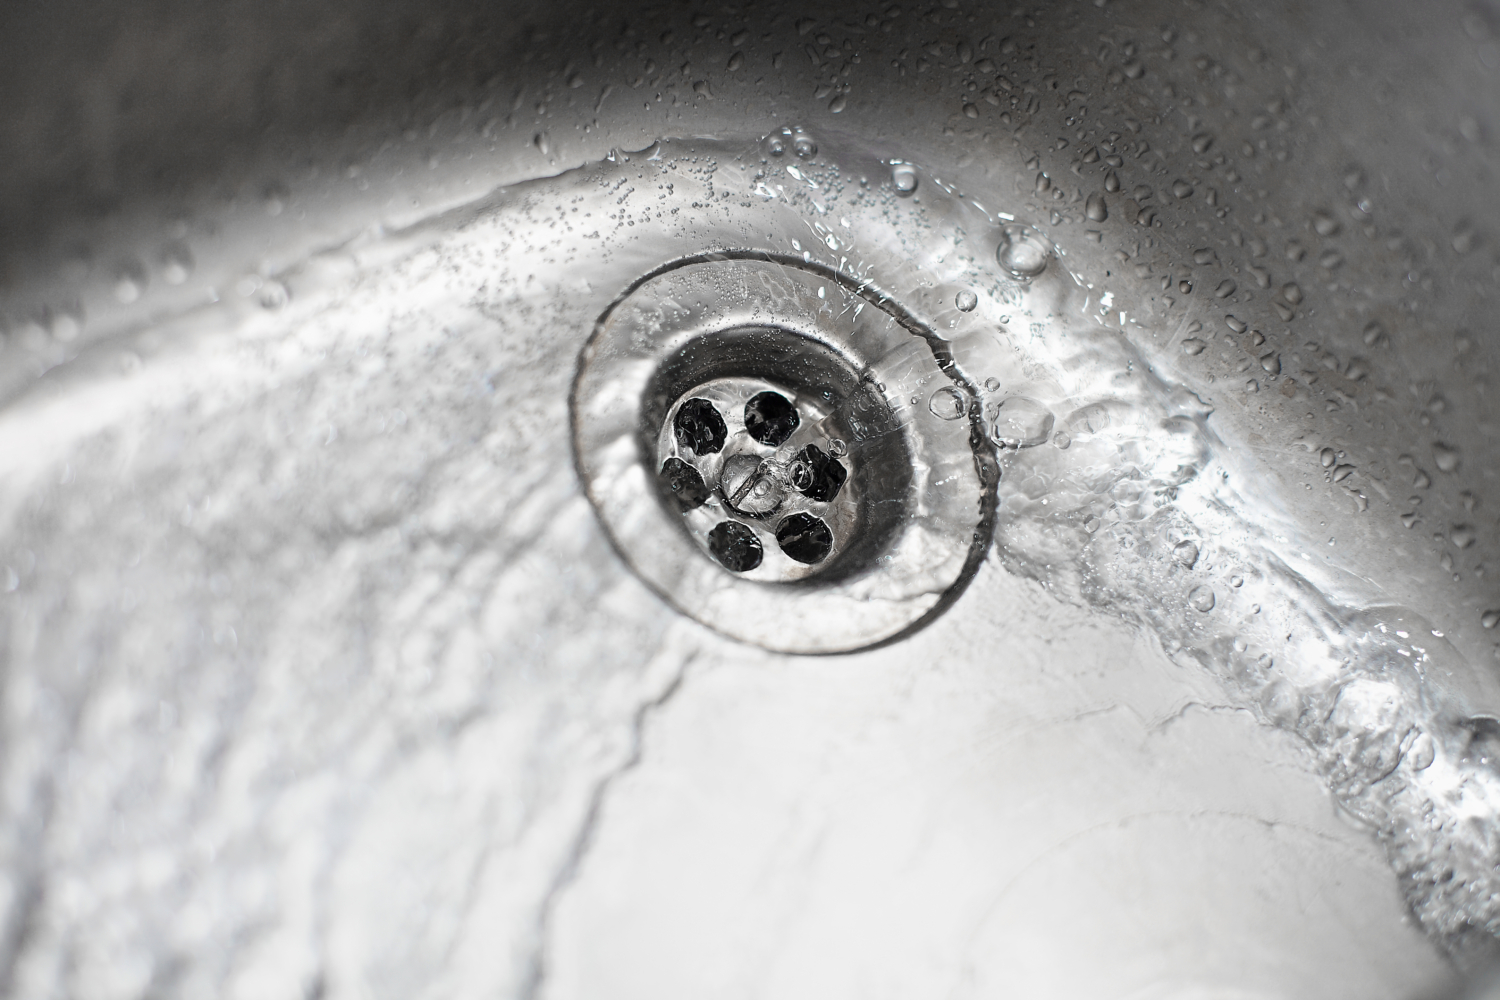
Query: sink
pixel 747 500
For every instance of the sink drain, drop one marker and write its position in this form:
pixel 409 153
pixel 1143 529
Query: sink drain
pixel 783 454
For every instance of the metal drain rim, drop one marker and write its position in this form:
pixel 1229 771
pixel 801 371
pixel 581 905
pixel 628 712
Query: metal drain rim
pixel 859 619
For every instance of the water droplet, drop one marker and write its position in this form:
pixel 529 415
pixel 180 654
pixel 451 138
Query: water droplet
pixel 1096 208
pixel 1324 224
pixel 1465 238
pixel 176 263
pixel 1186 554
pixel 736 61
pixel 1271 363
pixel 1462 536
pixel 1445 457
pixel 948 403
pixel 1292 292
pixel 130 282
pixel 1202 143
pixel 1236 581
pixel 1022 422
pixel 1342 472
pixel 1421 480
pixel 992 384
pixel 1237 325
pixel 1134 68
pixel 702 89
pixel 1327 457
pixel 1193 346
pixel 1226 288
pixel 965 300
pixel 1202 598
pixel 542 142
pixel 803 146
pixel 1023 252
pixel 1043 183
pixel 1490 619
pixel 776 144
pixel 970 111
pixel 1181 189
pixel 274 295
pixel 903 178
pixel 1374 333
pixel 1203 256
pixel 1062 440
pixel 1111 182
pixel 837 448
pixel 839 103
pixel 1252 386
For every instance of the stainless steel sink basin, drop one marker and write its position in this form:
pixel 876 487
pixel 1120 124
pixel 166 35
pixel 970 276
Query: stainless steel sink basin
pixel 1115 615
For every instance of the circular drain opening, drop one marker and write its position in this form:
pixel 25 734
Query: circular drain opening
pixel 779 460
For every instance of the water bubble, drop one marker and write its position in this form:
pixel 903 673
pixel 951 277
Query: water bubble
pixel 1193 346
pixel 1202 598
pixel 948 403
pixel 1062 441
pixel 1327 457
pixel 1186 554
pixel 803 146
pixel 1096 208
pixel 1022 422
pixel 965 300
pixel 1023 251
pixel 1445 457
pixel 903 178
pixel 1236 581
pixel 1181 189
pixel 992 384
pixel 837 448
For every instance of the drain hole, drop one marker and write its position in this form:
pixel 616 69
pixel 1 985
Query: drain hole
pixel 700 428
pixel 805 538
pixel 824 476
pixel 735 546
pixel 770 418
pixel 685 483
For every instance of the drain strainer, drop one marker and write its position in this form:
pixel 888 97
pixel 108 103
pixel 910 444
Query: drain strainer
pixel 783 454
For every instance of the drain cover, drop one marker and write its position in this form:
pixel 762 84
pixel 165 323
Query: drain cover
pixel 782 453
